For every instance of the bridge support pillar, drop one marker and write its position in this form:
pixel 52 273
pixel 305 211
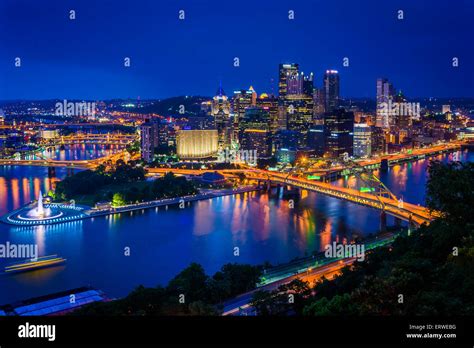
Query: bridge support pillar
pixel 383 221
pixel 269 186
pixel 51 172
pixel 398 222
pixel 384 165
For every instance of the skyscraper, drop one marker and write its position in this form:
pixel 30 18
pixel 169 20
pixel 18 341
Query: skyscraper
pixel 254 131
pixel 148 140
pixel 385 93
pixel 362 140
pixel 296 101
pixel 221 113
pixel 331 90
pixel 287 72
pixel 319 104
pixel 270 104
pixel 378 143
pixel 338 127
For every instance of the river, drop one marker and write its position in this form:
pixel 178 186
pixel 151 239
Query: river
pixel 163 242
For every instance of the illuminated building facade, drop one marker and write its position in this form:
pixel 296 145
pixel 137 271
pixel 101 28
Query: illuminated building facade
pixel 254 132
pixel 362 140
pixel 319 104
pixel 149 139
pixel 197 144
pixel 48 133
pixel 331 90
pixel 385 93
pixel 288 73
pixel 378 142
pixel 220 111
pixel 241 100
pixel 270 103
pixel 296 105
pixel 339 126
pixel 317 139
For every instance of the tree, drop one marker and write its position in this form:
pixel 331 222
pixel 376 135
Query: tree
pixel 191 282
pixel 450 189
pixel 118 200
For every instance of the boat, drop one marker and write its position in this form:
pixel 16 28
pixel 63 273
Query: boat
pixel 35 264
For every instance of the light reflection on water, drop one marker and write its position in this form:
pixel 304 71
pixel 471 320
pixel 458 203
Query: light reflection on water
pixel 164 241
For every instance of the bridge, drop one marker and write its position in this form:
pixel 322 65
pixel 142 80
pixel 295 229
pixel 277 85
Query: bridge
pixel 92 138
pixel 80 164
pixel 390 159
pixel 381 199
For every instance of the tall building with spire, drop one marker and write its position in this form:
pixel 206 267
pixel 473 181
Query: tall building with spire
pixel 220 111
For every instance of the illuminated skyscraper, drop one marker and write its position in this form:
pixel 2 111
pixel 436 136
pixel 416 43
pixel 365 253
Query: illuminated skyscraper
pixel 254 131
pixel 378 143
pixel 362 140
pixel 339 127
pixel 331 90
pixel 319 104
pixel 241 100
pixel 385 94
pixel 287 73
pixel 221 113
pixel 444 109
pixel 270 104
pixel 148 140
pixel 295 101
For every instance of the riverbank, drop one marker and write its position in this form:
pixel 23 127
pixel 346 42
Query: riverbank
pixel 171 201
pixel 86 212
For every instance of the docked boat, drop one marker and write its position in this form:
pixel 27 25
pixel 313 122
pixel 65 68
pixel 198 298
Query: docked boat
pixel 34 264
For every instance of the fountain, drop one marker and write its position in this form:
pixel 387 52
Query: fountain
pixel 40 212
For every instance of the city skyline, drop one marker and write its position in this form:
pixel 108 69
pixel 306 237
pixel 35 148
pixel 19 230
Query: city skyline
pixel 310 159
pixel 83 58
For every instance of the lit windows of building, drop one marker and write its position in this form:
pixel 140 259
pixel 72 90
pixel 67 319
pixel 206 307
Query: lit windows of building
pixel 362 140
pixel 331 90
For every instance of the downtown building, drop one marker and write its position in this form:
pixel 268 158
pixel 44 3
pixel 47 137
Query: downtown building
pixel 149 140
pixel 153 134
pixel 241 100
pixel 338 130
pixel 362 140
pixel 255 133
pixel 197 144
pixel 331 88
pixel 296 105
pixel 220 111
pixel 385 95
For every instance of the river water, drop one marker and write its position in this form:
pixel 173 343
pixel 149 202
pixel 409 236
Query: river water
pixel 162 242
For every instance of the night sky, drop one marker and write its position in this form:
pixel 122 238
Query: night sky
pixel 83 58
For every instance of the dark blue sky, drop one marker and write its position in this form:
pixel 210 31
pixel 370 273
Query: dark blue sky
pixel 84 58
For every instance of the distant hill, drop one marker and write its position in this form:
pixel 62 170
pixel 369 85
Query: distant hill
pixel 171 106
